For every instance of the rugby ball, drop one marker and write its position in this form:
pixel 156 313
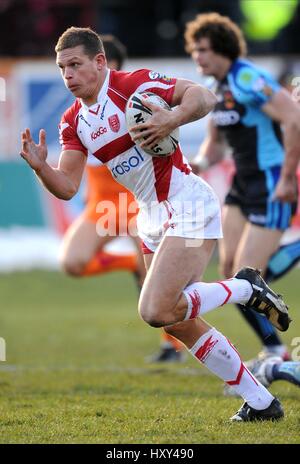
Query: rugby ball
pixel 136 113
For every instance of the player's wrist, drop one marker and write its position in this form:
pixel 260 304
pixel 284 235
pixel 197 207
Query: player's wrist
pixel 40 168
pixel 175 119
pixel 288 174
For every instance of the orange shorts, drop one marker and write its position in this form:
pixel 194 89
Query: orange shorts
pixel 108 202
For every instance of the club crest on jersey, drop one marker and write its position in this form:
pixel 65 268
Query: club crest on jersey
pixel 114 122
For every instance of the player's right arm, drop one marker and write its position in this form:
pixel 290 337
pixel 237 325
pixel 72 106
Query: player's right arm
pixel 284 109
pixel 259 89
pixel 63 181
pixel 211 151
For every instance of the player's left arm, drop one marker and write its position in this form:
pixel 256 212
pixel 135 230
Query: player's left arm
pixel 192 102
pixel 282 108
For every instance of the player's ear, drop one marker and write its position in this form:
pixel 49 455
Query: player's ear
pixel 100 60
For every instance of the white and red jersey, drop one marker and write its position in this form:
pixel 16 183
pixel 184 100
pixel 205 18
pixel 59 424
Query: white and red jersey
pixel 101 131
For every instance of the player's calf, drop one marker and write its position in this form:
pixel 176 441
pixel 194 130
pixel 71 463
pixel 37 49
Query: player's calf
pixel 226 268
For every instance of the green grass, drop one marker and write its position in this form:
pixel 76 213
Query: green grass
pixel 75 369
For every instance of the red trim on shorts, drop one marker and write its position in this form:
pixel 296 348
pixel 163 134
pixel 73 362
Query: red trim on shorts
pixel 145 249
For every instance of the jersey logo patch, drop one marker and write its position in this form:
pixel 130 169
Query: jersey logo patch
pixel 156 75
pixel 114 122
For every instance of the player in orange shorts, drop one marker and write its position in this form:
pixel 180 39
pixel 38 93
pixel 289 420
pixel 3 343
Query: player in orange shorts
pixel 109 209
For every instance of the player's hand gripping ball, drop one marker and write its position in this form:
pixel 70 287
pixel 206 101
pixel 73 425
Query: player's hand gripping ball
pixel 136 113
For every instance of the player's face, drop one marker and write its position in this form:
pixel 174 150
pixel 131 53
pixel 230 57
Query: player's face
pixel 208 62
pixel 82 75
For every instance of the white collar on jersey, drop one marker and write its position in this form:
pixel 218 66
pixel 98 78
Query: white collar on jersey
pixel 102 92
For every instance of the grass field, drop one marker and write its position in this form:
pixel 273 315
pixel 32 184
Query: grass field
pixel 75 369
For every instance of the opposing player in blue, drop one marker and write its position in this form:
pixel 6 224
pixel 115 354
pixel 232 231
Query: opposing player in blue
pixel 251 112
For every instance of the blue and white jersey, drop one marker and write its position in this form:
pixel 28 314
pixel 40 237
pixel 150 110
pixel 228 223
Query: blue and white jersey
pixel 255 139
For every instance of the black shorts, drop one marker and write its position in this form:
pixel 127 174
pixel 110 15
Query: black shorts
pixel 253 195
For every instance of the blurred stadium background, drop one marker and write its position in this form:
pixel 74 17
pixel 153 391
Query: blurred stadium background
pixel 33 95
pixel 39 334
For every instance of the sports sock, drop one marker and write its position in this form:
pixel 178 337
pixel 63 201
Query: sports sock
pixel 171 342
pixel 289 371
pixel 261 326
pixel 106 262
pixel 283 260
pixel 203 297
pixel 217 353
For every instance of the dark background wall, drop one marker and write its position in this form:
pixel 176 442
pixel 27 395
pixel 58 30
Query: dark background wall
pixel 147 27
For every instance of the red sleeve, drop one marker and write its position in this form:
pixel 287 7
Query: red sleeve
pixel 68 137
pixel 143 80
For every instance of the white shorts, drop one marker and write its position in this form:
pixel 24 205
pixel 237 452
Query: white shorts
pixel 193 213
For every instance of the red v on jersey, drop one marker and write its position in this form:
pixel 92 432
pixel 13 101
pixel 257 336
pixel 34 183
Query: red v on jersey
pixel 96 111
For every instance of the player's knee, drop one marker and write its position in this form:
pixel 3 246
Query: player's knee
pixel 151 318
pixel 72 267
pixel 151 314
